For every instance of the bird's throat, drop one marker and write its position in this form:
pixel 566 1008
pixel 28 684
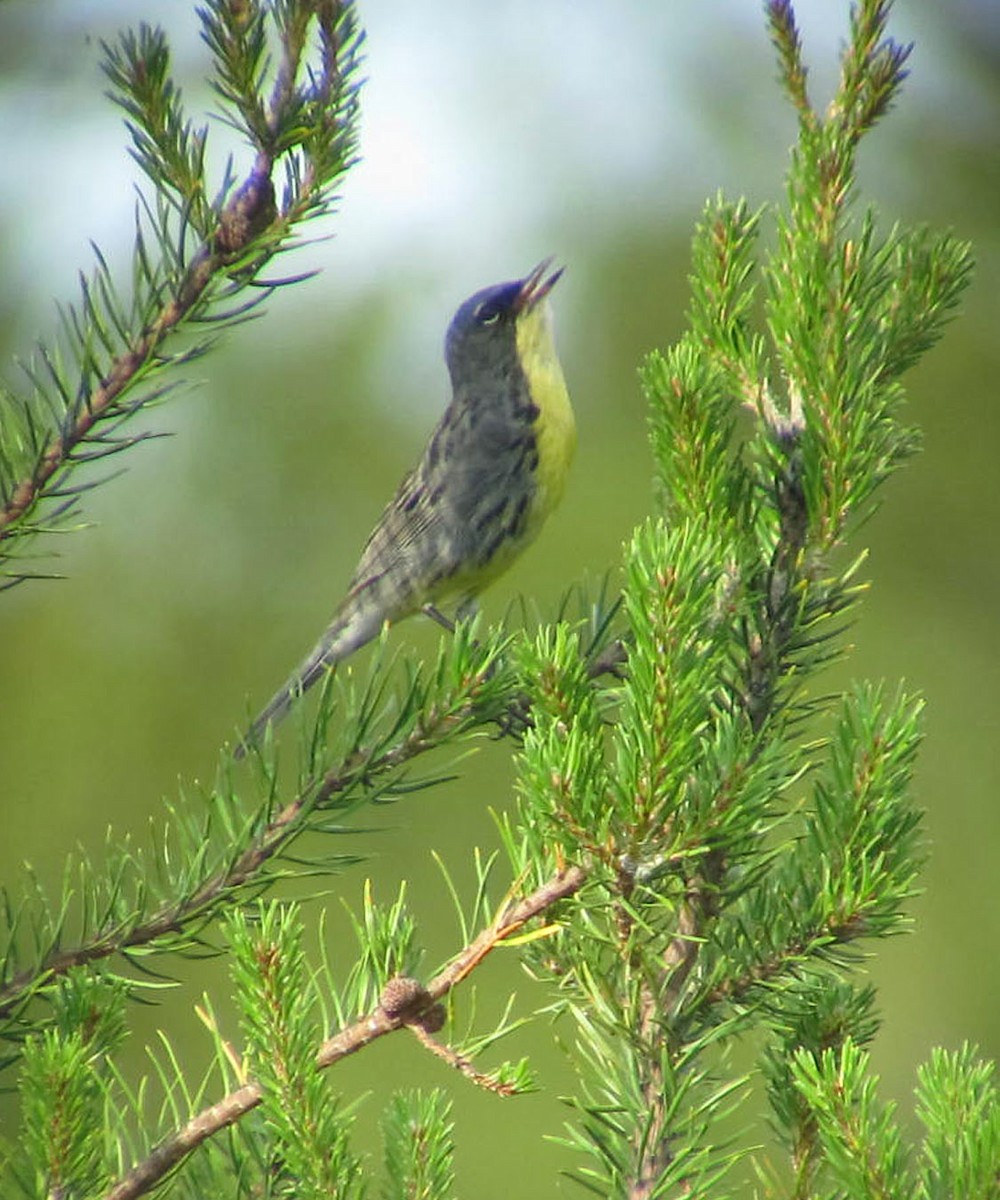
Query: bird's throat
pixel 555 427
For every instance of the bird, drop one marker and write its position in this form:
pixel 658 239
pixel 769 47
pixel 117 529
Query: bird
pixel 492 471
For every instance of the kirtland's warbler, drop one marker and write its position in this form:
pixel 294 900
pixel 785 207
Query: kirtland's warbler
pixel 493 470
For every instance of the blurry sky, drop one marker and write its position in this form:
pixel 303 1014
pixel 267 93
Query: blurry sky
pixel 483 125
pixel 492 136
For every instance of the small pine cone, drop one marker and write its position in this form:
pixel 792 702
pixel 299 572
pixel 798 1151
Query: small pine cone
pixel 403 998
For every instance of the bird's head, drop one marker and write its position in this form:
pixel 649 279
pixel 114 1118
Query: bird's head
pixel 484 333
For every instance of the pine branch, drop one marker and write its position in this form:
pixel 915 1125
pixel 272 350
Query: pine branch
pixel 737 832
pixel 380 733
pixel 419 1147
pixel 99 375
pixel 404 1003
pixel 731 610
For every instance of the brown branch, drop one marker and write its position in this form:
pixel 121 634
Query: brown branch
pixel 512 916
pixel 250 210
pixel 277 834
pixel 662 998
pixel 657 1007
pixel 460 1062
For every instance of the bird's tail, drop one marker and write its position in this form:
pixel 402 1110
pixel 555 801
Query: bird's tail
pixel 348 631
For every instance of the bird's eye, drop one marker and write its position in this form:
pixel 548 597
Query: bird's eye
pixel 487 313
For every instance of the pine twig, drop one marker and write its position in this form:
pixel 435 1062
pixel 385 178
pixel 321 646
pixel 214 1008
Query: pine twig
pixel 272 839
pixel 376 1024
pixel 307 128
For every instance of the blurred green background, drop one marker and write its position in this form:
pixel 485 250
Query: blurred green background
pixel 490 139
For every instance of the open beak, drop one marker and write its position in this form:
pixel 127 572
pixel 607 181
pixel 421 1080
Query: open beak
pixel 536 286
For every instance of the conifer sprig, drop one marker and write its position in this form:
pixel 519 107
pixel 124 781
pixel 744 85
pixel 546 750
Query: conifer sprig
pixel 704 841
pixel 216 850
pixel 197 261
pixel 404 1002
pixel 713 890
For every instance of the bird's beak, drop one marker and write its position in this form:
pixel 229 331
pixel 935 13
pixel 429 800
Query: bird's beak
pixel 536 287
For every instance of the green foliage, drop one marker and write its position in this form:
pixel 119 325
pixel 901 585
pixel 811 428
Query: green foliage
pixel 957 1105
pixel 281 1031
pixel 842 1136
pixel 562 777
pixel 711 900
pixel 199 249
pixel 62 1088
pixel 704 840
pixel 165 143
pixel 386 949
pixel 419 1147
pixel 61 1103
pixel 225 844
pixel 813 1013
pixel 861 1145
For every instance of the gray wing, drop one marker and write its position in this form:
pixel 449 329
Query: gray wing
pixel 468 494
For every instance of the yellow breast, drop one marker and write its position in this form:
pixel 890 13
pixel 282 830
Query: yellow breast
pixel 555 426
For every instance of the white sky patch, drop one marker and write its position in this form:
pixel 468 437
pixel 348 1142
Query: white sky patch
pixel 489 134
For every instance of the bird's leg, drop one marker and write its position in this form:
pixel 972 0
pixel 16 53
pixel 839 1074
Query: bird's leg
pixel 465 612
pixel 467 609
pixel 436 614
